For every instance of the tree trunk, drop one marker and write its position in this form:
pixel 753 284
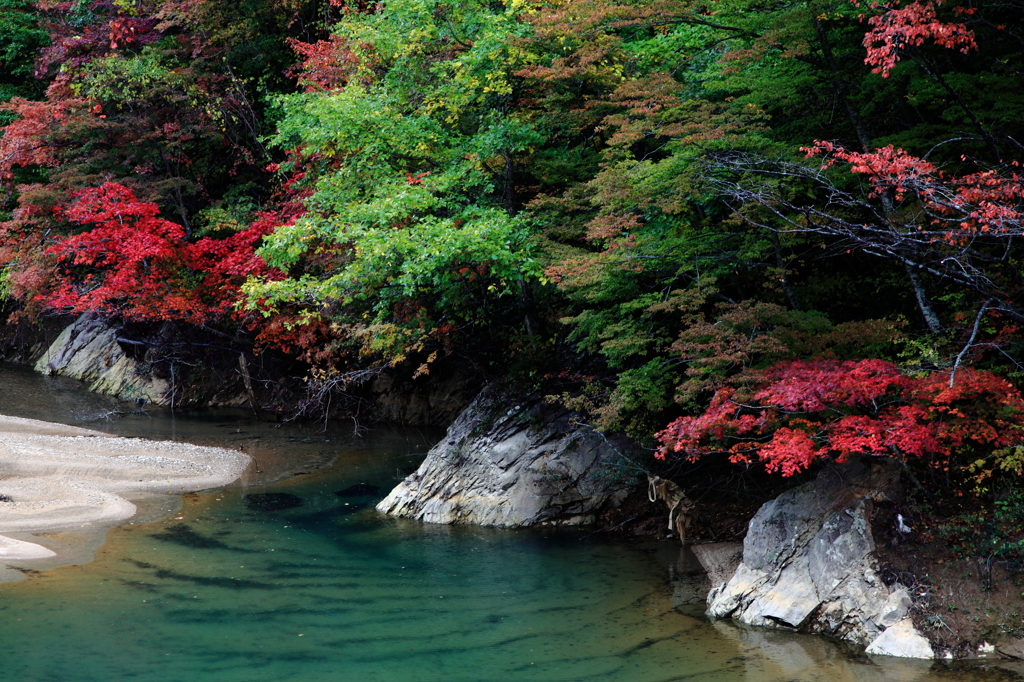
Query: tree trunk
pixel 923 302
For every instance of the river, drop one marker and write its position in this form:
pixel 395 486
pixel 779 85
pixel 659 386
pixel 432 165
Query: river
pixel 222 591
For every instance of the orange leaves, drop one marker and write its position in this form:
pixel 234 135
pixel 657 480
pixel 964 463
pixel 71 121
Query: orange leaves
pixel 25 141
pixel 814 386
pixel 790 451
pixel 887 168
pixel 124 31
pixel 326 64
pixel 799 412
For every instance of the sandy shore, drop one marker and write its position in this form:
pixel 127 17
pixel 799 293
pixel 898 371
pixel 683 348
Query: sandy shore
pixel 55 479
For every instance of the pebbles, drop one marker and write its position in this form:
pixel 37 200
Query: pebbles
pixel 56 477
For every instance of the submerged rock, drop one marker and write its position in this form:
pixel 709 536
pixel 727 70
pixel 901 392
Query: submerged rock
pixel 271 501
pixel 182 534
pixel 719 560
pixel 809 564
pixel 512 465
pixel 780 655
pixel 359 490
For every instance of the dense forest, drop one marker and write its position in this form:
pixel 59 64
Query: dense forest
pixel 768 232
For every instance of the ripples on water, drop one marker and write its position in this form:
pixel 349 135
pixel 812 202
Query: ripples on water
pixel 225 591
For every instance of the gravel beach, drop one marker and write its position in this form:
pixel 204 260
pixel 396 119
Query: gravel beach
pixel 55 478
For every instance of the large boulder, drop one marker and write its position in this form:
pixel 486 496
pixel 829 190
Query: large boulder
pixel 88 350
pixel 809 565
pixel 512 464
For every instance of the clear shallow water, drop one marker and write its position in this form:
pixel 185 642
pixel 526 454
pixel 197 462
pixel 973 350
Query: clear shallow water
pixel 333 591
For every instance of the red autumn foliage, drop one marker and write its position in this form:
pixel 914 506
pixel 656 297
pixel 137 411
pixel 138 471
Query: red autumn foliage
pixel 987 202
pixel 73 46
pixel 325 65
pixel 800 412
pixel 911 26
pixel 138 266
pixel 25 142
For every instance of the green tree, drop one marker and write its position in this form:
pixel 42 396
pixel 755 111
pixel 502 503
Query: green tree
pixel 20 38
pixel 411 172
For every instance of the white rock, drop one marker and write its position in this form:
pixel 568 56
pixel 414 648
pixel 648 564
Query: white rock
pixel 527 466
pixel 901 640
pixel 19 549
pixel 809 563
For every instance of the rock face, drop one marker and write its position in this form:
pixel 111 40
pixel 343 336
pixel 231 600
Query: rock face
pixel 511 466
pixel 94 350
pixel 88 350
pixel 23 341
pixel 719 560
pixel 434 399
pixel 808 565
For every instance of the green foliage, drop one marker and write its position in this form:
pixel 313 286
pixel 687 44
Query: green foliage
pixel 992 531
pixel 408 173
pixel 553 189
pixel 20 38
pixel 122 80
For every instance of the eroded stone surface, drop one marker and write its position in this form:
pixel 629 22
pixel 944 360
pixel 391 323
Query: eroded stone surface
pixel 88 350
pixel 1011 647
pixel 511 465
pixel 809 565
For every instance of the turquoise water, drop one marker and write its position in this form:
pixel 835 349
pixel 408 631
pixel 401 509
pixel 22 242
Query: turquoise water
pixel 317 593
pixel 333 591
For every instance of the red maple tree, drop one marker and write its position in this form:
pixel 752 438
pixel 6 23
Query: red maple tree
pixel 899 28
pixel 956 207
pixel 800 412
pixel 138 266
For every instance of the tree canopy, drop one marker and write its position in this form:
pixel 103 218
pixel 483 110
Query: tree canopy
pixel 676 217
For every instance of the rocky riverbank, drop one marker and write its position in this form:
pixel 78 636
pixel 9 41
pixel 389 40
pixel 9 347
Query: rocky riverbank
pixel 809 561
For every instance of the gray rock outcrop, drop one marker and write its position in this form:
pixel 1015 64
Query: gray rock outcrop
pixel 511 465
pixel 809 565
pixel 780 655
pixel 88 350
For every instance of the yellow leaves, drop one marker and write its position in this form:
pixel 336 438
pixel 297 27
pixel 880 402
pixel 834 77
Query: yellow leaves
pixel 127 6
pixel 425 367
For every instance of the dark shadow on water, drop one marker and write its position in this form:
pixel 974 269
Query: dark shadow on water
pixel 359 490
pixel 269 502
pixel 182 534
pixel 206 581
